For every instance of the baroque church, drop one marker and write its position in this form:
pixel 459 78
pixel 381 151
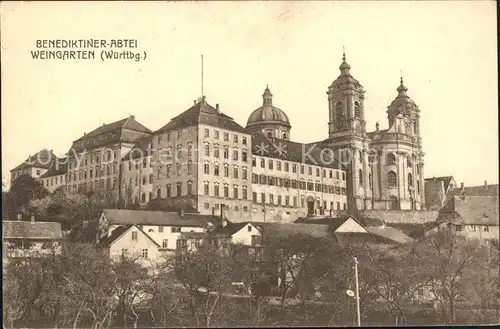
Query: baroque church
pixel 385 168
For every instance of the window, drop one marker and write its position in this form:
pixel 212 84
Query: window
pixel 206 189
pixel 144 253
pixel 158 172
pixel 473 227
pixel 302 169
pixel 226 152
pixel 235 138
pixel 158 193
pixel 150 178
pixel 206 148
pixel 190 149
pixel 164 243
pixel 235 172
pixel 271 164
pixel 179 134
pixel 254 196
pixel 263 197
pixel 235 155
pixel 339 112
pixel 357 110
pixel 216 151
pixel 286 166
pixel 244 173
pixel 226 191
pixel 269 134
pixel 226 137
pixel 392 179
pixel 244 193
pixel 235 192
pixel 216 169
pixel 271 198
pixel 206 205
pixel 216 132
pixel 175 229
pixel 206 168
pixel 226 170
pixel 410 179
pixel 249 228
pixel 262 163
pixel 169 171
pixel 279 200
pixel 244 156
pixel 244 140
pixel 134 236
pixel 310 171
pixel 486 228
pixel 360 175
pixel 190 167
pixel 278 165
pixel 190 187
pixel 160 229
pixel 284 136
pixel 390 159
pixel 409 162
pixel 169 190
pixel 207 132
pixel 179 189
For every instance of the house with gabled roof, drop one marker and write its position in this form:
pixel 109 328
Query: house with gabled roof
pixel 35 165
pixel 163 228
pixel 436 190
pixel 475 217
pixel 30 238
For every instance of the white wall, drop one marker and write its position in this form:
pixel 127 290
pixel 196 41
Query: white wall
pixel 243 236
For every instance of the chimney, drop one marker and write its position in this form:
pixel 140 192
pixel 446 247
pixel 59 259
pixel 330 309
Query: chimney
pixel 217 108
pixel 462 187
pixel 32 218
pixel 84 133
pixel 462 191
pixel 194 102
pixel 485 185
pixel 132 116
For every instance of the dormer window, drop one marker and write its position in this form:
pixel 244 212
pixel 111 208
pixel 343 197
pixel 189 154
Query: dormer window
pixel 249 228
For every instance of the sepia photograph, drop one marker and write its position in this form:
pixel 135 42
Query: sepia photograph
pixel 249 164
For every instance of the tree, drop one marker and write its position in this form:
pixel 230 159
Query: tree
pixel 450 263
pixel 206 275
pixel 24 189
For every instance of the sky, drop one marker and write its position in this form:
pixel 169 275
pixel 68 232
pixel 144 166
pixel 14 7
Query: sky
pixel 446 50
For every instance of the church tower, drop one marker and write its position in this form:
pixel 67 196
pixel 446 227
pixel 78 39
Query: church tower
pixel 347 135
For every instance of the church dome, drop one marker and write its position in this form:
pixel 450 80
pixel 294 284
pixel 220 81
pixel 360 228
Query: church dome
pixel 402 98
pixel 268 113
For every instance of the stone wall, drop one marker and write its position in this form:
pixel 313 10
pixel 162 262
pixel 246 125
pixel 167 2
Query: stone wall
pixel 403 216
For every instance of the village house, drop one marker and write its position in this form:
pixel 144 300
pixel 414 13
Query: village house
pixel 30 239
pixel 148 234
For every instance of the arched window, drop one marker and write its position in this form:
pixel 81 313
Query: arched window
pixel 392 179
pixel 410 179
pixel 339 110
pixel 409 163
pixel 159 172
pixel 390 159
pixel 269 134
pixel 179 189
pixel 360 175
pixel 360 157
pixel 357 110
pixel 284 136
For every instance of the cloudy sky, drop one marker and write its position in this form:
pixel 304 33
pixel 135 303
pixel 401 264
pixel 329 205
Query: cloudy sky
pixel 446 50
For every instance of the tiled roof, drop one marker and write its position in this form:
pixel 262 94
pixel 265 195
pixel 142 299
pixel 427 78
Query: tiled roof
pixel 119 231
pixel 142 147
pixel 29 230
pixel 202 113
pixel 481 190
pixel 473 210
pixel 402 216
pixel 292 151
pixel 194 235
pixel 58 168
pixel 446 180
pixel 125 130
pixel 389 234
pixel 229 229
pixel 277 229
pixel 42 159
pixel 144 217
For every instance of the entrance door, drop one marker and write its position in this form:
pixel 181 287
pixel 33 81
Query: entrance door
pixel 310 207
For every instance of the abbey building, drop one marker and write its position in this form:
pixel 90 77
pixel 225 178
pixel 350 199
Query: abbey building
pixel 204 161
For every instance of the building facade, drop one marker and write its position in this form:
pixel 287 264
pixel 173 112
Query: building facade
pixel 35 165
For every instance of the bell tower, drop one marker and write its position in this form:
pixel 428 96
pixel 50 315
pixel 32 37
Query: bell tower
pixel 346 103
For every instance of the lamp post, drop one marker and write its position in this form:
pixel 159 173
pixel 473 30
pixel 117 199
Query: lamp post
pixel 357 291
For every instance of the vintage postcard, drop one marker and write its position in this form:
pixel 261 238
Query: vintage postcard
pixel 262 163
